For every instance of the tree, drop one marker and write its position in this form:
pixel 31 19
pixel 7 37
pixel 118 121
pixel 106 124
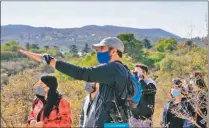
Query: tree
pixel 34 46
pixel 10 46
pixel 46 47
pixel 86 49
pixel 171 44
pixel 27 46
pixel 165 45
pixel 133 47
pixel 57 48
pixel 146 43
pixel 189 43
pixel 74 50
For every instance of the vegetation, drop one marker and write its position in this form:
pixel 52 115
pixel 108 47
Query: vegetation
pixel 86 49
pixel 146 43
pixel 74 50
pixel 133 47
pixel 166 59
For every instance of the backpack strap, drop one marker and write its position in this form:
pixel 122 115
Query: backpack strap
pixel 33 106
pixel 123 103
pixel 35 102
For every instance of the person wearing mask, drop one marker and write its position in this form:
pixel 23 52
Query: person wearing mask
pixel 199 98
pixel 177 111
pixel 142 114
pixel 49 109
pixel 112 76
pixel 38 103
pixel 92 88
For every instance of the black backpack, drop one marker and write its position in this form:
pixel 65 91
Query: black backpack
pixel 130 96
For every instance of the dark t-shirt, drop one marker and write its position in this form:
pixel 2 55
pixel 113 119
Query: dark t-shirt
pixel 112 78
pixel 183 107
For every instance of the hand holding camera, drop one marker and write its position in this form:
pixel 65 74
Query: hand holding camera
pixel 138 76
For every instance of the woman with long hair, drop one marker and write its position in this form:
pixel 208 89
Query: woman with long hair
pixel 49 109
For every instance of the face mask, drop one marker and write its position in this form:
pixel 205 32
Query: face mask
pixel 175 92
pixel 90 87
pixel 103 57
pixel 40 91
pixel 192 82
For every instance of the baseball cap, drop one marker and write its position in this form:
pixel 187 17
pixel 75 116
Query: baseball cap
pixel 112 42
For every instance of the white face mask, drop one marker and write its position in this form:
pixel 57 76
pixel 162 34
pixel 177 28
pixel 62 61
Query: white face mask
pixel 192 82
pixel 90 87
pixel 39 90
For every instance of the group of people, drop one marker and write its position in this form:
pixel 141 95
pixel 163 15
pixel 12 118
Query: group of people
pixel 187 106
pixel 107 85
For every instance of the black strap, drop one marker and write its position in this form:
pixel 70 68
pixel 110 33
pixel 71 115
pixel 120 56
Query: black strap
pixel 122 64
pixel 39 115
pixel 89 106
pixel 121 102
pixel 35 102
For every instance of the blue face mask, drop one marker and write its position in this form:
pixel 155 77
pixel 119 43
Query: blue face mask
pixel 175 92
pixel 103 57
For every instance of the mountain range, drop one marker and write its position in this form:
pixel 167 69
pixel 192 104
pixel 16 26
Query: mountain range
pixel 64 37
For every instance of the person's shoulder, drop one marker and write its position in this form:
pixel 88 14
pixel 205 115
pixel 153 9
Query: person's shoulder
pixel 119 65
pixel 185 99
pixel 151 82
pixel 114 65
pixel 64 101
pixel 168 102
pixel 86 98
pixel 109 64
pixel 36 98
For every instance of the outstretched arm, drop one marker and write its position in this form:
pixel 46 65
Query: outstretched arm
pixel 37 57
pixel 101 74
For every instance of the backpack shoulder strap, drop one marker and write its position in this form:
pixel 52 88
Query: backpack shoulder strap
pixel 35 102
pixel 119 62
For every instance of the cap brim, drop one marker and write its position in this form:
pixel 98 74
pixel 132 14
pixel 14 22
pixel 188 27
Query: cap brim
pixel 97 45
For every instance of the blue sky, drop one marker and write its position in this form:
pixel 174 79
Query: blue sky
pixel 175 17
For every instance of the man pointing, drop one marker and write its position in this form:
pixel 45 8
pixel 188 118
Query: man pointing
pixel 111 75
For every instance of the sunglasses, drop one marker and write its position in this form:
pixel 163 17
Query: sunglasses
pixel 177 82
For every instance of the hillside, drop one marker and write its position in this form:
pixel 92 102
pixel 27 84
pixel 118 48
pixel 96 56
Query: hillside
pixel 19 75
pixel 65 37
